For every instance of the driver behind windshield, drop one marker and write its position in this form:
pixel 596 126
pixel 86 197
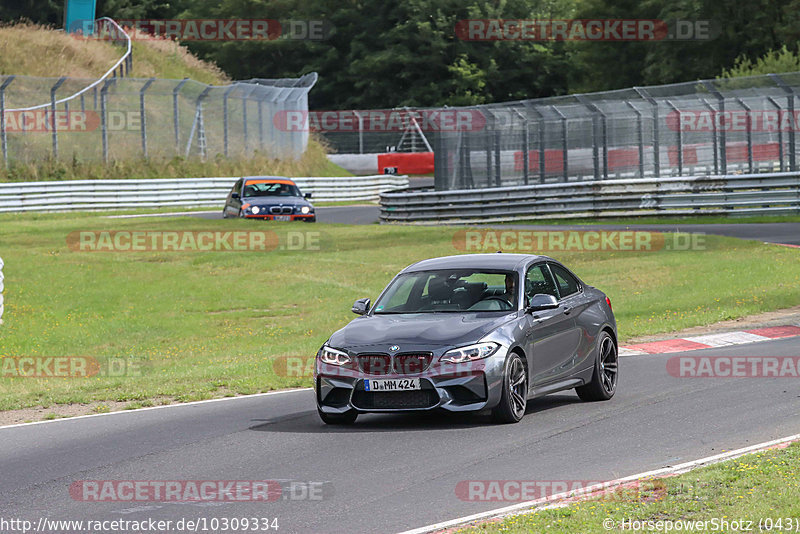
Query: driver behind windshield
pixel 509 294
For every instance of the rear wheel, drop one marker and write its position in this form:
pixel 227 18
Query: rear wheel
pixel 347 418
pixel 604 378
pixel 514 398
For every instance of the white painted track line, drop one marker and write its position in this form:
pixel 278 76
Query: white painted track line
pixel 670 470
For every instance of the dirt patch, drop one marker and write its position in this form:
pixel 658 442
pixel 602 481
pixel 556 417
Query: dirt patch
pixel 61 411
pixel 58 411
pixel 789 316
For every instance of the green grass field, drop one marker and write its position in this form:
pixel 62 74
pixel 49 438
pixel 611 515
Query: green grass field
pixel 757 488
pixel 209 324
pixel 697 219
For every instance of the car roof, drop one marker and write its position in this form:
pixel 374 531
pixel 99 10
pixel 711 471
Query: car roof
pixel 268 180
pixel 499 261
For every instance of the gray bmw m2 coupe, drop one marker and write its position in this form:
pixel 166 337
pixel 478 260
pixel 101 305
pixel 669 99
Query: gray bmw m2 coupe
pixel 470 333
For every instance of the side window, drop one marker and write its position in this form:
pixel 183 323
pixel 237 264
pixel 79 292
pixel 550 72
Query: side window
pixel 567 284
pixel 237 187
pixel 538 280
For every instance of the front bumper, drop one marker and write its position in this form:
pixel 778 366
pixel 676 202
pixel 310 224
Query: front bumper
pixel 310 217
pixel 468 387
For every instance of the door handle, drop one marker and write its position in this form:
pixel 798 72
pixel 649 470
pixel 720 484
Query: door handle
pixel 567 310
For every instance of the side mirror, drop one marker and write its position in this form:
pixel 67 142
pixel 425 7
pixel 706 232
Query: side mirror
pixel 307 195
pixel 361 306
pixel 234 195
pixel 540 302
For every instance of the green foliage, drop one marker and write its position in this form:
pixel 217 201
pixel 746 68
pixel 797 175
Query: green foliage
pixel 406 53
pixel 774 61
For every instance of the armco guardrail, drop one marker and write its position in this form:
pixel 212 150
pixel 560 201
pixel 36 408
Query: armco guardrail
pixel 744 194
pixel 187 192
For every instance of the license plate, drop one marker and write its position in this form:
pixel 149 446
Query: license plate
pixel 283 217
pixel 398 384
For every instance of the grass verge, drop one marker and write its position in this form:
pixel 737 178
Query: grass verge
pixel 710 219
pixel 208 324
pixel 761 487
pixel 314 162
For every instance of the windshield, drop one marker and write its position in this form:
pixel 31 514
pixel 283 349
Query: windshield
pixel 450 290
pixel 270 189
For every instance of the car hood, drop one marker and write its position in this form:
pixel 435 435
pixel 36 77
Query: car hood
pixel 417 331
pixel 276 201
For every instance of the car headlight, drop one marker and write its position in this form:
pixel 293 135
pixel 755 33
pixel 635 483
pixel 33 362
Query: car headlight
pixel 333 356
pixel 305 209
pixel 255 210
pixel 470 353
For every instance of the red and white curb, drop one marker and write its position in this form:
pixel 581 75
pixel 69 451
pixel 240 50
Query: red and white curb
pixel 561 499
pixel 711 340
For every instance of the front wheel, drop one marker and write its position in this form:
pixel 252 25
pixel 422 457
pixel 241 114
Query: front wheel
pixel 604 378
pixel 514 398
pixel 347 418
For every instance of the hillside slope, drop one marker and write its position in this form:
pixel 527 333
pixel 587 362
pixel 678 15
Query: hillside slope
pixel 31 50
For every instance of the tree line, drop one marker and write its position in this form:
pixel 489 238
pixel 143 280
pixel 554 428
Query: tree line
pixel 408 53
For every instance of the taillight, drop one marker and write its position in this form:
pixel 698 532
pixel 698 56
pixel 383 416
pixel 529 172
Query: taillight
pixel 608 301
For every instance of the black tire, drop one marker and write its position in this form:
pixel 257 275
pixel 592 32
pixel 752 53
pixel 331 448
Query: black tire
pixel 347 418
pixel 604 379
pixel 514 398
pixel 224 214
pixel 241 214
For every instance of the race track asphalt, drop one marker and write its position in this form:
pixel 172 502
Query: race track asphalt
pixel 390 473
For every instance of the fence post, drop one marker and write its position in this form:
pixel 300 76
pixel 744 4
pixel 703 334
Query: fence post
pixel 53 114
pixel 542 168
pixel 3 139
pixel 261 124
pixel 103 118
pixel 790 100
pixel 360 132
pixel 640 136
pixel 175 121
pixel 714 134
pixel 564 145
pixel 595 149
pixel 488 114
pixel 497 168
pixel 198 117
pixel 656 148
pixel 723 141
pixel 244 116
pixel 780 134
pixel 679 136
pixel 749 135
pixel 143 115
pixel 525 143
pixel 225 118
